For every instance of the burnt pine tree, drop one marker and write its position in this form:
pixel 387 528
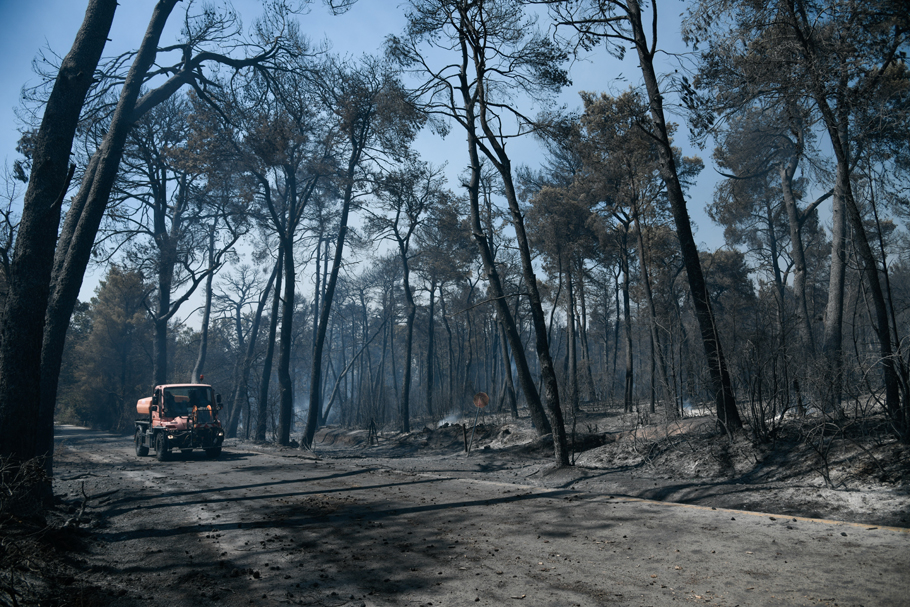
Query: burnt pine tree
pixel 444 254
pixel 846 59
pixel 498 55
pixel 621 24
pixel 22 320
pixel 404 198
pixel 235 297
pixel 288 149
pixel 375 117
pixel 622 171
pixel 177 228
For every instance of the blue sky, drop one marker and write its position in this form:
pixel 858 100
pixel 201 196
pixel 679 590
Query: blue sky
pixel 30 26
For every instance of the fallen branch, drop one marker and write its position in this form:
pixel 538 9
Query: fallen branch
pixel 77 520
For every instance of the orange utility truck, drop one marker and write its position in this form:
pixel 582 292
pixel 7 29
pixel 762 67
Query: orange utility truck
pixel 179 416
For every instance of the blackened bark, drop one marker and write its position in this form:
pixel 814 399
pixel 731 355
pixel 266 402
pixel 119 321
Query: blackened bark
pixel 449 341
pixel 588 378
pixel 404 406
pixel 881 325
pixel 306 441
pixel 832 347
pixel 199 367
pixel 629 378
pixel 285 385
pixel 240 398
pixel 269 352
pixel 83 220
pixel 162 314
pixel 834 102
pixel 535 407
pixel 22 328
pixel 658 363
pixel 721 384
pixel 166 241
pixel 495 151
pixel 431 345
pixel 836 131
pixel 616 301
pixel 316 291
pixel 507 372
pixel 87 209
pixel 469 87
pixel 571 345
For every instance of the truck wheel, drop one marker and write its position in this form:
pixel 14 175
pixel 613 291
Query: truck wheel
pixel 214 452
pixel 141 450
pixel 161 447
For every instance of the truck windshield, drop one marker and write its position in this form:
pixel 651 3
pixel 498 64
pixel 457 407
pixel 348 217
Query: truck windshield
pixel 179 402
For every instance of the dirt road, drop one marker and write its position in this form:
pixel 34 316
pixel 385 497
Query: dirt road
pixel 269 528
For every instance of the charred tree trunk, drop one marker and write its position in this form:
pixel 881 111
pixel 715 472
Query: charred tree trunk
pixel 538 417
pixel 306 441
pixel 571 349
pixel 834 309
pixel 240 397
pixel 837 132
pixel 262 413
pixel 507 373
pixel 629 378
pixel 494 150
pixel 451 348
pixel 77 237
pixel 431 346
pixel 26 430
pixel 199 367
pixel 659 363
pixel 586 363
pixel 797 253
pixel 166 242
pixel 617 303
pixel 721 384
pixel 285 384
pixel 404 406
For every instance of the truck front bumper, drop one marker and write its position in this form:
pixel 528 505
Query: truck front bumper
pixel 198 438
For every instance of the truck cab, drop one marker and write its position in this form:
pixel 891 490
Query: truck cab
pixel 179 416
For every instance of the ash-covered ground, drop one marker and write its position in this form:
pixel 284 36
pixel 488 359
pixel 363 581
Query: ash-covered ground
pixel 855 473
